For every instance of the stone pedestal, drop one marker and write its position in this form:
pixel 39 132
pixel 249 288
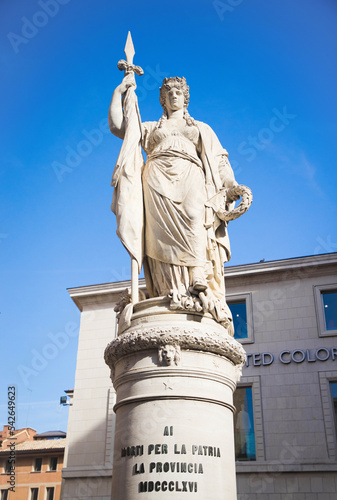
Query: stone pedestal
pixel 174 374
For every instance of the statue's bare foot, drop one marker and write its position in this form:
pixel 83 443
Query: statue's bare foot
pixel 200 285
pixel 199 282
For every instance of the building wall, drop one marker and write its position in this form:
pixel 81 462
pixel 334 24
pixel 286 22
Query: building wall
pixel 26 478
pixel 294 426
pixel 91 423
pixel 295 430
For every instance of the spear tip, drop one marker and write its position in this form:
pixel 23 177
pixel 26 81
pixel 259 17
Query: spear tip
pixel 129 49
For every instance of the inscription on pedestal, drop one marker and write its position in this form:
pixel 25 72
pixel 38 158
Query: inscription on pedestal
pixel 190 463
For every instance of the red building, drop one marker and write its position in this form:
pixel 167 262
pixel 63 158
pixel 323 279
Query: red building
pixel 31 464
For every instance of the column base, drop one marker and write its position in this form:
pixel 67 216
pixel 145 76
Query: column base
pixel 174 375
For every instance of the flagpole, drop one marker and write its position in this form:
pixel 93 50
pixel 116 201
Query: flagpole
pixel 129 67
pixel 134 281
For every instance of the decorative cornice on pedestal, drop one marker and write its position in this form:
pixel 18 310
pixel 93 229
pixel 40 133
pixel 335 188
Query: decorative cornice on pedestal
pixel 186 338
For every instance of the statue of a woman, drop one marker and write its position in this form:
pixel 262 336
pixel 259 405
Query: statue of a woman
pixel 184 242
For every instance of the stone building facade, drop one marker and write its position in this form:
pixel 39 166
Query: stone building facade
pixel 285 315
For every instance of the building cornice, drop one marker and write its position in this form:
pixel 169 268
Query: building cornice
pixel 107 293
pixel 104 293
pixel 310 261
pixel 35 451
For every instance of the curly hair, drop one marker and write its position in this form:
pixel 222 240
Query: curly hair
pixel 181 84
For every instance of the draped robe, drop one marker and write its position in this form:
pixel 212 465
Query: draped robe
pixel 183 170
pixel 172 227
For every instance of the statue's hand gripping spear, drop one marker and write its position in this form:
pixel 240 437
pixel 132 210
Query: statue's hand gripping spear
pixel 127 66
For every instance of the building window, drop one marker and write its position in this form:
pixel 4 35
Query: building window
pixel 7 467
pixel 38 465
pixel 50 493
pixel 330 309
pixel 239 313
pixel 333 389
pixel 4 494
pixel 34 493
pixel 53 463
pixel 328 386
pixel 326 306
pixel 241 309
pixel 244 432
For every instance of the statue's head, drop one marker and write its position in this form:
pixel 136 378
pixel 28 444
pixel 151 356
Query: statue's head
pixel 179 83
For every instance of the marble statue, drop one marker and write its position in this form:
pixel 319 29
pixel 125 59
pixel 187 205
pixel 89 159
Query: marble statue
pixel 173 209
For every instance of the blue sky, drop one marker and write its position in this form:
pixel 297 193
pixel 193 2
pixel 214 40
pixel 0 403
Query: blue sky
pixel 262 73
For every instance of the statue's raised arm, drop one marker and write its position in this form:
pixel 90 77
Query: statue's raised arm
pixel 116 115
